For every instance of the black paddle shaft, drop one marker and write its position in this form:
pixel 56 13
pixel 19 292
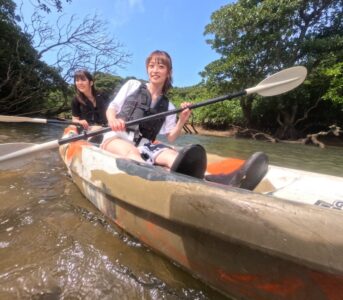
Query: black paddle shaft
pixel 86 135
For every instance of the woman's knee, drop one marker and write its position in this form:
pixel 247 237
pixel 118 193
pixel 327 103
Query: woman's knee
pixel 166 158
pixel 124 149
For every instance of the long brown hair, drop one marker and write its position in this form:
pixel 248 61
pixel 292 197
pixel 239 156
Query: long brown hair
pixel 83 74
pixel 164 58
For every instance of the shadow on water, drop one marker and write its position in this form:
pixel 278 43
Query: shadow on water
pixel 55 245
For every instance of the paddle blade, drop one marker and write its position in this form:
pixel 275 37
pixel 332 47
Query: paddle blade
pixel 12 152
pixel 16 119
pixel 14 163
pixel 281 82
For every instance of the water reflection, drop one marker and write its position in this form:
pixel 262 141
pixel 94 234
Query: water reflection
pixel 55 245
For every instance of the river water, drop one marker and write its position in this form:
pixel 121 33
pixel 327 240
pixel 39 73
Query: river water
pixel 55 245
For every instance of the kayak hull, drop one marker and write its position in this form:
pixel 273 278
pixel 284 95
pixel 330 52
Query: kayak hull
pixel 243 244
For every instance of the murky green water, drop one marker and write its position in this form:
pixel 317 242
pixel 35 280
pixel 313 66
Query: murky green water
pixel 55 245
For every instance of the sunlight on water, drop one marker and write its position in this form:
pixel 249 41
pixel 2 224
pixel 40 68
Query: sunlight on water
pixel 55 245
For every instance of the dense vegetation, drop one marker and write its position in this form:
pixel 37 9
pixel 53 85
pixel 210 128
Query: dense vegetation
pixel 27 84
pixel 256 38
pixel 253 38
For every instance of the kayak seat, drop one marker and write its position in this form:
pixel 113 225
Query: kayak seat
pixel 246 177
pixel 191 161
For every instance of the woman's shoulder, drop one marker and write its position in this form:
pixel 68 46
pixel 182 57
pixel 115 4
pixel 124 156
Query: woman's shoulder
pixel 133 83
pixel 130 86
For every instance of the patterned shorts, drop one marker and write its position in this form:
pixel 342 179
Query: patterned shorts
pixel 150 151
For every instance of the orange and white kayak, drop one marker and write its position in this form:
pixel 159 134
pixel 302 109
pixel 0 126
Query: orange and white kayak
pixel 284 240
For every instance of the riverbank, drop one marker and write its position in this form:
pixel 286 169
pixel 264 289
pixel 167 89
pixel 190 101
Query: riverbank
pixel 202 131
pixel 331 140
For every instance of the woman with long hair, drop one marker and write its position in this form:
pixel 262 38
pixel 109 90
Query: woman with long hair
pixel 138 99
pixel 88 106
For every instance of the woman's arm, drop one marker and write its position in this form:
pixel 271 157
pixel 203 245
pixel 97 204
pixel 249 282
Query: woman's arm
pixel 84 123
pixel 76 114
pixel 113 122
pixel 183 118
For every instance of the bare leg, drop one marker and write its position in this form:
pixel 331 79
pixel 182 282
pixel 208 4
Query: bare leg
pixel 123 148
pixel 166 158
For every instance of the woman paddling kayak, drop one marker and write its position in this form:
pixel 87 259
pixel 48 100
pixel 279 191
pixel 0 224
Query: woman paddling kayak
pixel 137 99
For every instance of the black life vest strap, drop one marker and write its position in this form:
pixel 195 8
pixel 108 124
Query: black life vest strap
pixel 145 100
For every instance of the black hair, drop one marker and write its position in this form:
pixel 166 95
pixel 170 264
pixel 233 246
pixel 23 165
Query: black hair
pixel 83 75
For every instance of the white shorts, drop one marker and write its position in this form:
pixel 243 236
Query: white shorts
pixel 148 150
pixel 109 136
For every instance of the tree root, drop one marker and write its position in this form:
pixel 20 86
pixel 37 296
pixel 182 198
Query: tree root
pixel 238 131
pixel 313 138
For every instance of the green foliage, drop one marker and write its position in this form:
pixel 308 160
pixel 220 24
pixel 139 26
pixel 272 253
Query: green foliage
pixel 334 92
pixel 58 99
pixel 194 94
pixel 215 116
pixel 221 115
pixel 107 83
pixel 254 39
pixel 30 86
pixel 257 38
pixel 7 12
pixel 25 81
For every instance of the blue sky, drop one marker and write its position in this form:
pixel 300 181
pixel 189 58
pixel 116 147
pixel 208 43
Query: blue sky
pixel 176 26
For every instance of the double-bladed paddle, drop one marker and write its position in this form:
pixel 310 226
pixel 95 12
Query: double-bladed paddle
pixel 275 84
pixel 18 119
